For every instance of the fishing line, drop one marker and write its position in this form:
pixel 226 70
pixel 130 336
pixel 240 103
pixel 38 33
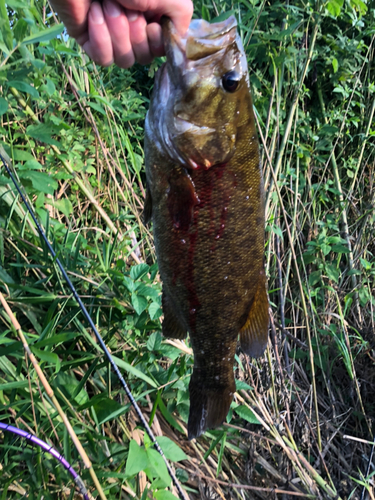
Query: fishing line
pixel 97 334
pixel 52 451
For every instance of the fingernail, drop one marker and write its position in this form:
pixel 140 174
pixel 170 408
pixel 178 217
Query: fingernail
pixel 96 13
pixel 132 15
pixel 112 8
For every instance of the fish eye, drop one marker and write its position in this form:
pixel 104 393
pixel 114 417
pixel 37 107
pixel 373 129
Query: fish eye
pixel 231 81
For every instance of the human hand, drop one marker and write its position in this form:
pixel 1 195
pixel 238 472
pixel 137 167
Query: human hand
pixel 122 31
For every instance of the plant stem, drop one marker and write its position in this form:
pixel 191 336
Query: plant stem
pixel 55 402
pixel 84 189
pixel 288 126
pixel 344 218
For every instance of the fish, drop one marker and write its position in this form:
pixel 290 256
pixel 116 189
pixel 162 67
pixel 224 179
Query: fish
pixel 205 198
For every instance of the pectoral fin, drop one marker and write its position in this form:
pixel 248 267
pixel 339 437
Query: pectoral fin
pixel 171 324
pixel 147 210
pixel 254 333
pixel 182 199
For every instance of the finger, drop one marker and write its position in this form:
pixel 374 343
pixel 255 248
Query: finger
pixel 180 11
pixel 73 14
pixel 99 45
pixel 118 28
pixel 138 36
pixel 155 39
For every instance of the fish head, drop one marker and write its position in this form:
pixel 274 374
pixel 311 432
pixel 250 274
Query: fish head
pixel 200 92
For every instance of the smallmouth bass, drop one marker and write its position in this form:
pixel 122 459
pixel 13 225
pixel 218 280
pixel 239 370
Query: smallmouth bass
pixel 205 198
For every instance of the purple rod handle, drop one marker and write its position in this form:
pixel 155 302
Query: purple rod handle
pixel 49 449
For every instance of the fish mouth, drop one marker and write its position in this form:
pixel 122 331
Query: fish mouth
pixel 183 126
pixel 189 135
pixel 201 40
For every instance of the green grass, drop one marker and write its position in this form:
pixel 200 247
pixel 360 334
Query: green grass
pixel 74 133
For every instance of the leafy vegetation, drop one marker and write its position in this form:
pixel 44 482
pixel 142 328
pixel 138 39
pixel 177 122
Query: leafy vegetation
pixel 303 415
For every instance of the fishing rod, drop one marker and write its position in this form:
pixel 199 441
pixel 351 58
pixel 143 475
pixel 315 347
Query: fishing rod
pixel 52 451
pixel 99 338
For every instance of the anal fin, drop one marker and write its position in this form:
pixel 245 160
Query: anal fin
pixel 254 333
pixel 171 326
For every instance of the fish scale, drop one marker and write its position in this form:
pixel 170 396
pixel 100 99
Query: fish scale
pixel 206 202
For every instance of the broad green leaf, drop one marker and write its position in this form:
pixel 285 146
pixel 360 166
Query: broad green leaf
pixel 56 340
pixel 169 351
pixel 3 106
pixel 164 495
pixel 134 371
pixel 10 348
pixel 154 310
pixel 157 466
pixel 69 383
pixel 325 249
pixel 335 65
pixel 16 4
pixel 182 475
pixel 20 384
pixel 154 341
pixel 4 48
pixel 364 296
pixel 170 449
pixel 42 133
pixel 332 272
pixel 212 446
pixel 314 277
pixel 97 107
pixel 167 415
pixel 148 291
pixel 333 240
pixel 139 303
pixel 360 6
pixel 49 357
pixel 21 155
pixel 137 459
pixel 334 7
pixel 63 49
pixel 365 263
pixel 129 283
pixel 243 386
pixel 223 16
pixel 308 257
pixel 247 414
pixel 20 30
pixel 24 87
pixel 39 180
pixel 5 277
pixel 105 408
pixel 221 454
pixel 48 87
pixel 114 414
pixel 340 248
pixel 32 165
pixel 354 271
pixel 64 206
pixel 328 130
pixel 5 27
pixel 44 35
pixel 138 271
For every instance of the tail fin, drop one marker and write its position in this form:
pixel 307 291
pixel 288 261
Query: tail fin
pixel 209 406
